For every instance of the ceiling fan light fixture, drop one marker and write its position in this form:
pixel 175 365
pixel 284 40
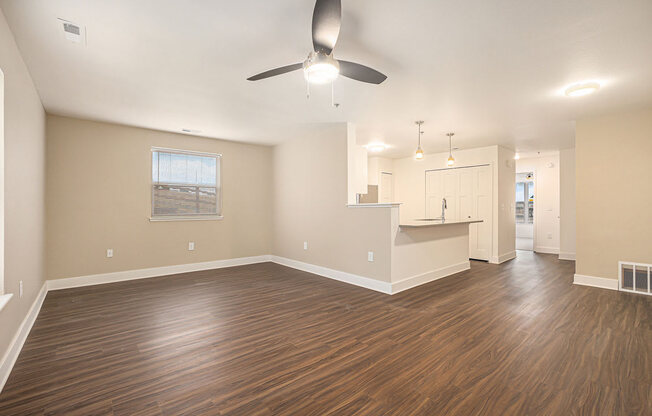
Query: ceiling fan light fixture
pixel 450 161
pixel 321 69
pixel 419 154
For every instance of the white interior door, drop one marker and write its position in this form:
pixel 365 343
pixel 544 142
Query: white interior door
pixel 480 233
pixel 386 191
pixel 468 193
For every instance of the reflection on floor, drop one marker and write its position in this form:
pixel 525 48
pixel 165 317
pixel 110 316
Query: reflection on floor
pixel 524 244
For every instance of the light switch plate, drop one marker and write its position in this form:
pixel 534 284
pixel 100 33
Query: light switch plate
pixel 305 245
pixel 370 256
pixel 191 245
pixel 109 252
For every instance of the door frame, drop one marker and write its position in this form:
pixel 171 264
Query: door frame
pixel 534 208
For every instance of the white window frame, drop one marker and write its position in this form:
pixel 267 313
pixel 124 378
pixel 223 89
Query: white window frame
pixel 194 217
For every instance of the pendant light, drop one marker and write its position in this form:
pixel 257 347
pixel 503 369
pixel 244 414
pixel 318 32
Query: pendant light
pixel 419 153
pixel 451 160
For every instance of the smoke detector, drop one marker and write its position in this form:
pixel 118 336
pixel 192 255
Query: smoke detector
pixel 73 32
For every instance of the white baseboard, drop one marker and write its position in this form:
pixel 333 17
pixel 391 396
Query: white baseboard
pixel 98 279
pixel 354 279
pixel 594 281
pixel 430 276
pixel 503 257
pixel 547 250
pixel 16 344
pixel 566 256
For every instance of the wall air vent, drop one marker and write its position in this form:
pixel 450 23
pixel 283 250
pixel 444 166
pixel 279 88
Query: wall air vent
pixel 635 277
pixel 73 31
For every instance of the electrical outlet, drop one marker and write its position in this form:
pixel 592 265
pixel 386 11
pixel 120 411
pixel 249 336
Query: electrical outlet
pixel 305 245
pixel 20 289
pixel 370 256
pixel 549 236
pixel 191 245
pixel 109 252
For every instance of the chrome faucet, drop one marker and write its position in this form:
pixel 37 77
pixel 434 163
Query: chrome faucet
pixel 444 206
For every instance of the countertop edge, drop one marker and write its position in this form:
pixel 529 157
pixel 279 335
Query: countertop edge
pixel 437 224
pixel 390 205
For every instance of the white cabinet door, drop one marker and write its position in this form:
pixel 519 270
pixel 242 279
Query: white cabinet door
pixel 468 193
pixel 434 193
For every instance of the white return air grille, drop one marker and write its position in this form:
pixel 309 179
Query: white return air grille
pixel 635 277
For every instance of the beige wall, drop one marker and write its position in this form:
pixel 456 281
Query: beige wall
pixel 567 204
pixel 98 194
pixel 24 187
pixel 310 183
pixel 614 197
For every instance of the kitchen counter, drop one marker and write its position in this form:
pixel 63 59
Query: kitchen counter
pixel 421 223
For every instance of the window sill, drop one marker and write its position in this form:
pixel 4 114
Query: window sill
pixel 4 299
pixel 189 218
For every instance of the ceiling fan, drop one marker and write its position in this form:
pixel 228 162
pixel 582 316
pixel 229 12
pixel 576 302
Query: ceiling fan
pixel 320 67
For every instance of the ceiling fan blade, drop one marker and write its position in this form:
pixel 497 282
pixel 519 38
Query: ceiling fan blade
pixel 326 22
pixel 360 72
pixel 276 71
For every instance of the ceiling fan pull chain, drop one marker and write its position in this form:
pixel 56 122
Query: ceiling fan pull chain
pixel 333 103
pixel 307 90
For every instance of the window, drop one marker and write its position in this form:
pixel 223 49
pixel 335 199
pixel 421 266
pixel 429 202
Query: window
pixel 185 185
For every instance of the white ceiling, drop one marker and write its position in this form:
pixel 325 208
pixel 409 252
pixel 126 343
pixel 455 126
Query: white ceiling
pixel 491 71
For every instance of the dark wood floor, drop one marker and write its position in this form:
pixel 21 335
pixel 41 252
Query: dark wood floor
pixel 514 339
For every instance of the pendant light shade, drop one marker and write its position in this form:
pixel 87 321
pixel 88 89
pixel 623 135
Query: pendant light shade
pixel 419 153
pixel 451 160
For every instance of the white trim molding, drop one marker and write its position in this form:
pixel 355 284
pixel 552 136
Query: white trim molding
pixel 593 281
pixel 430 276
pixel 16 344
pixel 373 284
pixel 546 250
pixel 98 279
pixel 4 299
pixel 354 279
pixel 503 258
pixel 566 256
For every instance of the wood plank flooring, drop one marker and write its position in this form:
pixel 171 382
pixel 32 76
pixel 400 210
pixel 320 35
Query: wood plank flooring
pixel 513 339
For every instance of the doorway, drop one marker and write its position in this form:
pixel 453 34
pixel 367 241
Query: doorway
pixel 525 211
